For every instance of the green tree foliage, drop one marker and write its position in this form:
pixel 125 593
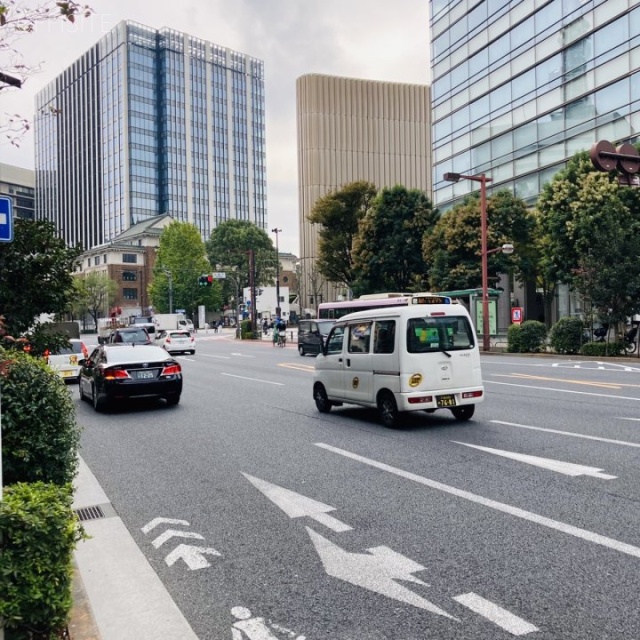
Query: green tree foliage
pixel 37 275
pixel 567 335
pixel 181 258
pixel 591 228
pixel 388 247
pixel 229 247
pixel 454 249
pixel 339 214
pixel 94 295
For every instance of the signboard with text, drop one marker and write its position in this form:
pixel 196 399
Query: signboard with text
pixel 6 219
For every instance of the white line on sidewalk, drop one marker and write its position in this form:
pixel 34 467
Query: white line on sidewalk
pixel 504 619
pixel 569 529
pixel 569 433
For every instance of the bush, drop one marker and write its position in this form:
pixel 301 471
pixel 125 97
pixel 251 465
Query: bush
pixel 245 330
pixel 602 349
pixel 38 533
pixel 526 337
pixel 40 436
pixel 514 339
pixel 566 335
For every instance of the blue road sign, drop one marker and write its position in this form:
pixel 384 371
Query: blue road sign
pixel 6 219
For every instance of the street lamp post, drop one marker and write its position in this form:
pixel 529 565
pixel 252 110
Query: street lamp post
pixel 482 179
pixel 170 278
pixel 278 310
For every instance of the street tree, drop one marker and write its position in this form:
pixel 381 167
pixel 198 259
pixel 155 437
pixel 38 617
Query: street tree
pixel 37 278
pixel 589 234
pixel 180 261
pixel 19 19
pixel 388 247
pixel 454 249
pixel 229 246
pixel 95 294
pixel 338 215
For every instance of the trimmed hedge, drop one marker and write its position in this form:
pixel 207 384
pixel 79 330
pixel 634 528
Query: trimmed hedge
pixel 39 532
pixel 567 335
pixel 602 349
pixel 527 337
pixel 40 435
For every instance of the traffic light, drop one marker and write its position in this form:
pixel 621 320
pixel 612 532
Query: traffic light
pixel 205 280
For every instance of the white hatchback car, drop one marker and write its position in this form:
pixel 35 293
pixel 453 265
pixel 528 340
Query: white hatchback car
pixel 177 341
pixel 65 361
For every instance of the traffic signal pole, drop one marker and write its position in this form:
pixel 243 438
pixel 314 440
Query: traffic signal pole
pixel 252 289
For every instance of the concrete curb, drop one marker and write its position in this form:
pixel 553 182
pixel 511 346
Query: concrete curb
pixel 82 624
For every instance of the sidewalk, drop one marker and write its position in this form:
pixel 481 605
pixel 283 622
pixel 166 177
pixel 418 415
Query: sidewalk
pixel 117 595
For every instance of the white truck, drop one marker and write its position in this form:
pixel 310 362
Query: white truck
pixel 169 321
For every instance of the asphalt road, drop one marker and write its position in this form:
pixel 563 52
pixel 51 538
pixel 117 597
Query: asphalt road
pixel 331 526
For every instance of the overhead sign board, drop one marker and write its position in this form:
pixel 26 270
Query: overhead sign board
pixel 6 219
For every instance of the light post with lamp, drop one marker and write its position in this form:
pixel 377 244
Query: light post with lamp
pixel 505 248
pixel 278 310
pixel 169 275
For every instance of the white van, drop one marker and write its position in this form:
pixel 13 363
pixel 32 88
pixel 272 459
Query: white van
pixel 423 356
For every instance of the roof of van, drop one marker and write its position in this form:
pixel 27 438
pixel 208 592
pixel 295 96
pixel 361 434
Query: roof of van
pixel 412 310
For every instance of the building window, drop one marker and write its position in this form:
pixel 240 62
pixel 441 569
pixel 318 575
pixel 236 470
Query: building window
pixel 285 279
pixel 104 259
pixel 96 260
pixel 129 294
pixel 129 276
pixel 130 257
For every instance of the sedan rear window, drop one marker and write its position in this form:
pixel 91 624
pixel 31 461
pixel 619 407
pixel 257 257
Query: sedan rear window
pixel 180 334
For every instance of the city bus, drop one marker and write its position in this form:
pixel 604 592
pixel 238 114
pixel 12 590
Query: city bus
pixel 335 310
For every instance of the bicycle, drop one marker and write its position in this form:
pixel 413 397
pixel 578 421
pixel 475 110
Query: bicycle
pixel 282 339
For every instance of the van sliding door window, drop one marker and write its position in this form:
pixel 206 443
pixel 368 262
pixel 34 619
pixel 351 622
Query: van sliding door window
pixel 384 336
pixel 449 333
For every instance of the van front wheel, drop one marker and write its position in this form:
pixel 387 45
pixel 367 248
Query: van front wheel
pixel 388 409
pixel 320 396
pixel 464 412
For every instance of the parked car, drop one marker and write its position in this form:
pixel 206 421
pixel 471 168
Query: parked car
pixel 178 341
pixel 114 373
pixel 312 334
pixel 129 335
pixel 66 361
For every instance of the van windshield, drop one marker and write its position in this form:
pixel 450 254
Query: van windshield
pixel 446 333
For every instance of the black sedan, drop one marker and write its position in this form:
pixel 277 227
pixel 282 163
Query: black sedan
pixel 117 372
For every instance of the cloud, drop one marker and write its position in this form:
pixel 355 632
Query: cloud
pixel 373 39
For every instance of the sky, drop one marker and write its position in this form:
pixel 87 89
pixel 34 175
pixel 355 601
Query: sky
pixel 369 39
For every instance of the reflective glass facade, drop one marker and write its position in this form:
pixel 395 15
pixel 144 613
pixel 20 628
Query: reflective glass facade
pixel 148 123
pixel 519 87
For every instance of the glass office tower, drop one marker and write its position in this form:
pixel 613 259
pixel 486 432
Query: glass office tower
pixel 148 123
pixel 520 86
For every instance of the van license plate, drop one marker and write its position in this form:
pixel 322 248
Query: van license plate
pixel 446 401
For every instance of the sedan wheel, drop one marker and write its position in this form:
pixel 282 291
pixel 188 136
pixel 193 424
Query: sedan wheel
pixel 98 404
pixel 301 350
pixel 172 401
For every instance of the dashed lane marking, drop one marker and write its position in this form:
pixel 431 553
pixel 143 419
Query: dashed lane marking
pixel 296 366
pixel 581 393
pixel 230 375
pixel 588 383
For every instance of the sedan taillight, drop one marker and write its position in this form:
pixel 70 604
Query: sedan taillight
pixel 171 370
pixel 168 340
pixel 115 374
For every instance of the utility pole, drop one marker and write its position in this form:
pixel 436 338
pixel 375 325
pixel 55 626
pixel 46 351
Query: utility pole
pixel 252 289
pixel 278 309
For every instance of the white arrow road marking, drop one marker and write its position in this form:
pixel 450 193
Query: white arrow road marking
pixel 566 468
pixel 193 556
pixel 583 534
pixel 296 505
pixel 569 433
pixel 230 375
pixel 376 571
pixel 504 619
pixel 156 521
pixel 170 533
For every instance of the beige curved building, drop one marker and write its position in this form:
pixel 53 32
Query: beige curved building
pixel 348 130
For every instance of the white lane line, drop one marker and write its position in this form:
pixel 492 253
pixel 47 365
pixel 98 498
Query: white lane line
pixel 185 358
pixel 569 529
pixel 206 355
pixel 581 393
pixel 569 433
pixel 559 466
pixel 230 375
pixel 504 619
pixel 633 419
